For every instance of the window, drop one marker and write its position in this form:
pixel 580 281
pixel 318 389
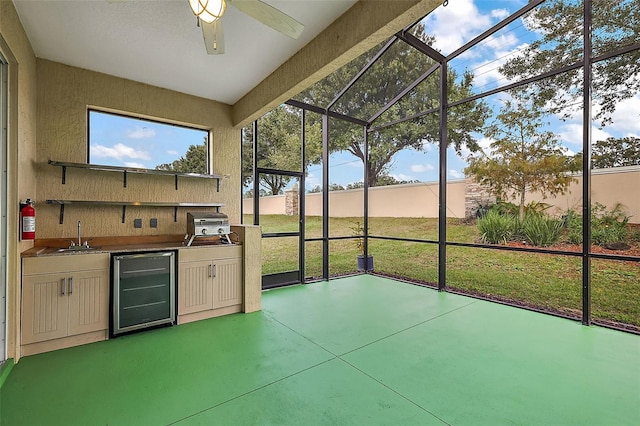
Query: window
pixel 117 140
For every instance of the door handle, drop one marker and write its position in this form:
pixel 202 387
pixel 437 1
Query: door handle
pixel 63 285
pixel 214 271
pixel 70 285
pixel 210 267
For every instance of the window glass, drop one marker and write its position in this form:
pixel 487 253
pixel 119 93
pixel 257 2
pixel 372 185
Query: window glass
pixel 121 141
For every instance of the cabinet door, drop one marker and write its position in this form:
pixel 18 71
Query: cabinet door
pixel 88 293
pixel 44 307
pixel 227 283
pixel 195 287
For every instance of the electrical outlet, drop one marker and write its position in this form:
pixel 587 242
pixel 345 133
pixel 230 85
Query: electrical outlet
pixel 153 223
pixel 137 223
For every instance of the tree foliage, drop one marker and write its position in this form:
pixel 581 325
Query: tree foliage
pixel 384 180
pixel 392 73
pixel 522 157
pixel 194 161
pixel 560 26
pixel 279 146
pixel 613 152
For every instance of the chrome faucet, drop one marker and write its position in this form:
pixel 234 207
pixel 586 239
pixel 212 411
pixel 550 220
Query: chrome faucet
pixel 79 245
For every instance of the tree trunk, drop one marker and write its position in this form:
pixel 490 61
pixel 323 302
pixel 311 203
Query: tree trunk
pixel 523 193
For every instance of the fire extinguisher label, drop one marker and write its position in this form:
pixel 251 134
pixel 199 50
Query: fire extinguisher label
pixel 29 224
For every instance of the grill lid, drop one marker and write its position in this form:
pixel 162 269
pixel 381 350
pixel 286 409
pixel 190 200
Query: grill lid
pixel 203 218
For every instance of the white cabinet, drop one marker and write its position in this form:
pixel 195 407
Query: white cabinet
pixel 64 297
pixel 209 282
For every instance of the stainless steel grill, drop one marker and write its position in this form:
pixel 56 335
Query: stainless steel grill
pixel 208 225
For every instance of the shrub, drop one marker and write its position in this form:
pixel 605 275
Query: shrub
pixel 607 226
pixel 540 230
pixel 496 228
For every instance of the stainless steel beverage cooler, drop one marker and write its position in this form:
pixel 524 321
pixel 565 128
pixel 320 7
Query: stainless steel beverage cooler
pixel 143 291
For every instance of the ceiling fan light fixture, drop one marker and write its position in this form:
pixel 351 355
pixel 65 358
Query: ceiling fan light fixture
pixel 208 10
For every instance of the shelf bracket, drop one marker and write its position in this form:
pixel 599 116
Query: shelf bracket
pixel 217 185
pixel 64 174
pixel 124 212
pixel 176 176
pixel 124 173
pixel 61 213
pixel 175 214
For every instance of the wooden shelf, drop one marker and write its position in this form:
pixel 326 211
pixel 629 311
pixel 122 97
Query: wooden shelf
pixel 124 205
pixel 127 170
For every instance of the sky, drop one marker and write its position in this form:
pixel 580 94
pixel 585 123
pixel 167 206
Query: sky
pixel 128 142
pixel 452 26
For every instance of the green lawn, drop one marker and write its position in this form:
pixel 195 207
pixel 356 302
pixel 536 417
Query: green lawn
pixel 543 281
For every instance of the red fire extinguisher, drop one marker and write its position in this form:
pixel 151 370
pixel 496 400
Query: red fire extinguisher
pixel 28 214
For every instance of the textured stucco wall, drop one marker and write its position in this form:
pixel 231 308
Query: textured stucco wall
pixel 16 49
pixel 609 187
pixel 64 95
pixel 407 200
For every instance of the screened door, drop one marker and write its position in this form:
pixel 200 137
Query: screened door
pixel 279 216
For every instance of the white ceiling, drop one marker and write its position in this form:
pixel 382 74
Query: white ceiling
pixel 157 41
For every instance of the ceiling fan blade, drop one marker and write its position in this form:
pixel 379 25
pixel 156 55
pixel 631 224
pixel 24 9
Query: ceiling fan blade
pixel 213 37
pixel 270 16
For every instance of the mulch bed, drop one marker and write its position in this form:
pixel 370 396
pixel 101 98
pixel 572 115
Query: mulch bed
pixel 633 250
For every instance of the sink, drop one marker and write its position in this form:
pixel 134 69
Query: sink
pixel 75 249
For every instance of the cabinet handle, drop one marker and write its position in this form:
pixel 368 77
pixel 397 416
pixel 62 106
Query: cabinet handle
pixel 214 271
pixel 70 285
pixel 63 285
pixel 210 270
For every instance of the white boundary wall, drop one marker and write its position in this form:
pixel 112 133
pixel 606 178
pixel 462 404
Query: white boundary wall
pixel 609 187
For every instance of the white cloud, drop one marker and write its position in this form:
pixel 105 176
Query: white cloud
pixel 487 71
pixel 135 165
pixel 401 177
pixel 499 14
pixel 421 168
pixel 173 152
pixel 502 43
pixel 454 25
pixel 571 133
pixel 118 151
pixel 428 146
pixel 485 145
pixel 311 181
pixel 455 174
pixel 626 117
pixel 141 133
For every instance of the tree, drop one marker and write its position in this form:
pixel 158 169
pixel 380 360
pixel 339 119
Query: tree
pixel 522 157
pixel 392 73
pixel 194 161
pixel 559 23
pixel 279 146
pixel 614 152
pixel 383 180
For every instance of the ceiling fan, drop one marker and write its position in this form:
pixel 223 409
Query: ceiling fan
pixel 209 13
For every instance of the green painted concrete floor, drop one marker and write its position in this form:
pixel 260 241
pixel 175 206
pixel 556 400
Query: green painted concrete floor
pixel 362 350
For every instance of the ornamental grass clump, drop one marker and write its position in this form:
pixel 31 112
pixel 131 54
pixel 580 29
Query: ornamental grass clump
pixel 541 231
pixel 496 228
